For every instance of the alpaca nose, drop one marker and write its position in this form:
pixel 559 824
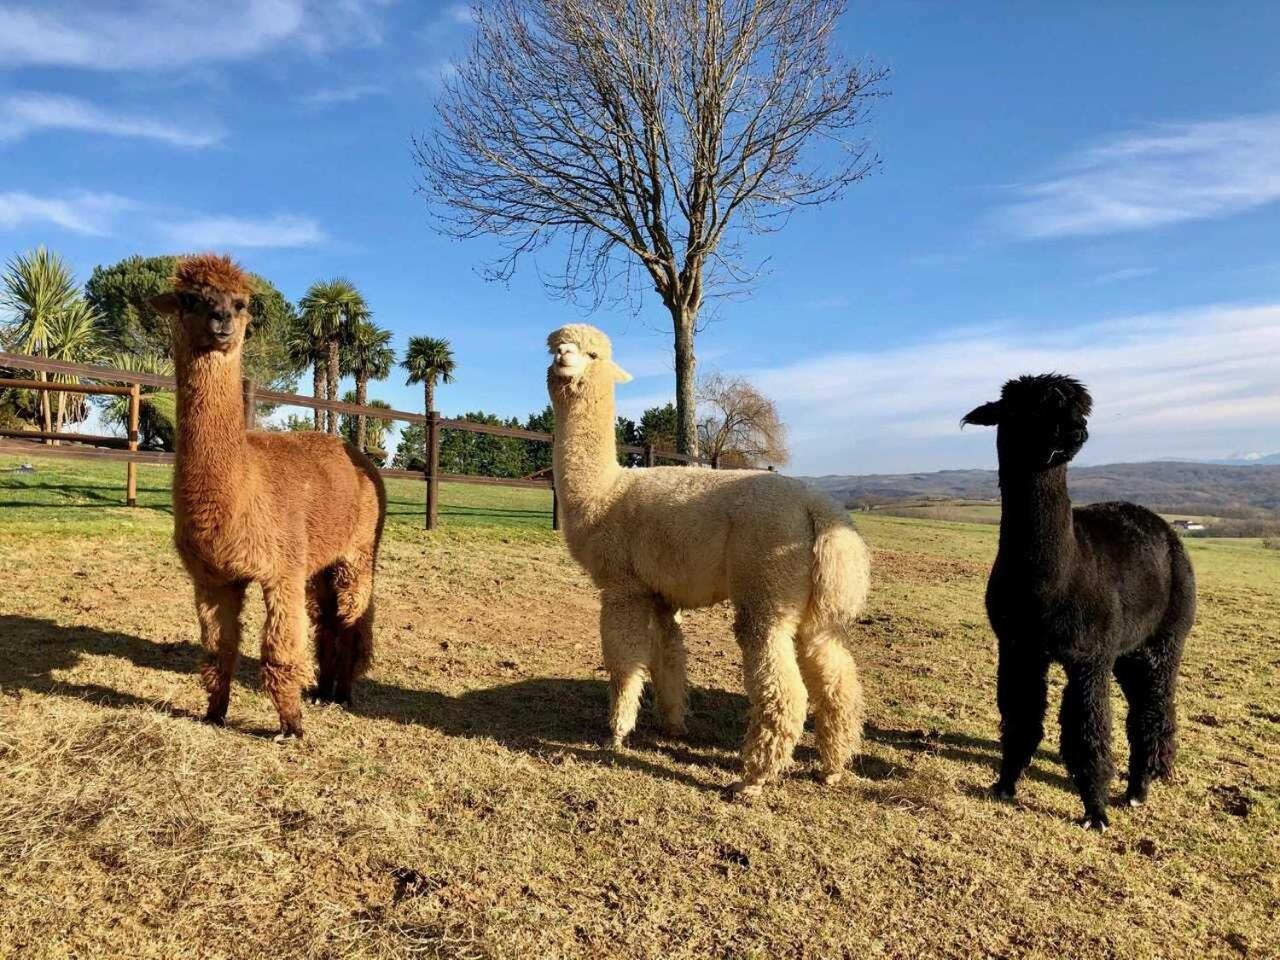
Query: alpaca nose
pixel 220 325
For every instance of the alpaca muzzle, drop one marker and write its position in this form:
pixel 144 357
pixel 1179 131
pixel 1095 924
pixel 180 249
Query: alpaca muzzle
pixel 222 329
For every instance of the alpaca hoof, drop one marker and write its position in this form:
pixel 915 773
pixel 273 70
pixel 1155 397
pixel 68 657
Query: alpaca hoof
pixel 1003 791
pixel 1096 822
pixel 676 731
pixel 744 791
pixel 617 743
pixel 319 697
pixel 829 778
pixel 1134 800
pixel 216 719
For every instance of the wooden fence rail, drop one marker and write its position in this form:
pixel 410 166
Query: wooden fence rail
pixel 117 382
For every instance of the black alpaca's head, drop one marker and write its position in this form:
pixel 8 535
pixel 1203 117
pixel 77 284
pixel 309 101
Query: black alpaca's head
pixel 1040 420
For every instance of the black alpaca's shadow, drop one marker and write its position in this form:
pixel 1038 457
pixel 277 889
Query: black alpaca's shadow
pixel 543 717
pixel 965 749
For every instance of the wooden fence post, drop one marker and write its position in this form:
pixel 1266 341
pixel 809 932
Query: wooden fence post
pixel 433 469
pixel 250 404
pixel 650 455
pixel 131 469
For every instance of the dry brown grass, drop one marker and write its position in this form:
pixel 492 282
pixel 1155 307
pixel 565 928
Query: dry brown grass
pixel 466 808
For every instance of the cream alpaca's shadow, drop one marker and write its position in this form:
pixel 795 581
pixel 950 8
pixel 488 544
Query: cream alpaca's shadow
pixel 542 717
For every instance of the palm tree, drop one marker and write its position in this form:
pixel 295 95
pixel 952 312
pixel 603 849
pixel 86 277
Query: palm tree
pixel 427 359
pixel 75 336
pixel 368 357
pixel 306 352
pixel 330 309
pixel 375 433
pixel 158 412
pixel 38 288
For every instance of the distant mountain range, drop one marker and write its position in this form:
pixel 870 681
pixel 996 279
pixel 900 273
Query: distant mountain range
pixel 1235 460
pixel 1172 485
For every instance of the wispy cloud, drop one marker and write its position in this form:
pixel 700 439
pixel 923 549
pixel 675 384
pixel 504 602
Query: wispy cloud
pixel 176 33
pixel 281 230
pixel 436 73
pixel 24 113
pixel 348 94
pixel 1155 176
pixel 1192 383
pixel 101 214
pixel 84 212
pixel 1119 276
pixel 447 20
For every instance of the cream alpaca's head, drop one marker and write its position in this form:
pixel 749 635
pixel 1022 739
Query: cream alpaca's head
pixel 209 304
pixel 581 356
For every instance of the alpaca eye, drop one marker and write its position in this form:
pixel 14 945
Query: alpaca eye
pixel 240 305
pixel 593 356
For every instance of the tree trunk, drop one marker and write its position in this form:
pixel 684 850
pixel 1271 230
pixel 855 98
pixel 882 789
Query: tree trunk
pixel 318 378
pixel 686 403
pixel 331 385
pixel 362 393
pixel 429 387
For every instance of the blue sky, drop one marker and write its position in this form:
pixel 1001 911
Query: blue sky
pixel 1087 187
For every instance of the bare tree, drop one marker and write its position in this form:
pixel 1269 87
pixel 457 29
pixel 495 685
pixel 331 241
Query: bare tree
pixel 738 426
pixel 647 135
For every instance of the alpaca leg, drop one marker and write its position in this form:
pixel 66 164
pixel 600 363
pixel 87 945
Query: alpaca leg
pixel 1022 695
pixel 353 583
pixel 1086 737
pixel 322 608
pixel 776 693
pixel 355 654
pixel 218 609
pixel 283 644
pixel 667 668
pixel 831 678
pixel 1148 676
pixel 625 633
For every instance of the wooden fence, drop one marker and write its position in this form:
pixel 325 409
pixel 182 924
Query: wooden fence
pixel 117 382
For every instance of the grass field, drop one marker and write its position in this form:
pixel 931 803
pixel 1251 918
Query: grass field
pixel 466 807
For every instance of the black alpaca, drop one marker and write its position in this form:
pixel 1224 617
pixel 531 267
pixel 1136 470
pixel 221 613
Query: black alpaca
pixel 1101 589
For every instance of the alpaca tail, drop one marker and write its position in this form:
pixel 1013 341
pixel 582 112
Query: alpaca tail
pixel 841 569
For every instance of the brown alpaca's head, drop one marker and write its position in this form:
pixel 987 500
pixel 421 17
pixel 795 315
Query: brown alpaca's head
pixel 581 357
pixel 209 304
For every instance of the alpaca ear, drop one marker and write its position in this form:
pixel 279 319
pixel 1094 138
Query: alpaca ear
pixel 987 415
pixel 164 303
pixel 619 375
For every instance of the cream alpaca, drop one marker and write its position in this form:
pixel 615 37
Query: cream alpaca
pixel 661 539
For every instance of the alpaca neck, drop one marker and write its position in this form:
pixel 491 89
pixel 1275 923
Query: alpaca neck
pixel 586 448
pixel 211 443
pixel 1037 534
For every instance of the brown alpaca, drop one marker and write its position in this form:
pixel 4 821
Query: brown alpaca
pixel 299 513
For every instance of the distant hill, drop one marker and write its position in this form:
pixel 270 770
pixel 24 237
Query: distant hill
pixel 1170 485
pixel 1236 460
